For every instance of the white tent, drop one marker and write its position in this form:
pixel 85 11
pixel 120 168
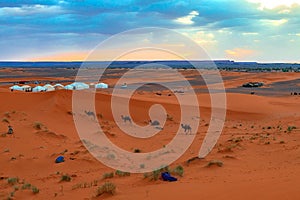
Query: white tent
pixel 26 87
pixel 39 89
pixel 101 85
pixel 58 86
pixel 49 87
pixel 69 87
pixel 16 87
pixel 80 86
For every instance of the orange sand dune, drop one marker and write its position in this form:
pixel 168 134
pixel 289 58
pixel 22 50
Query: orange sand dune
pixel 260 155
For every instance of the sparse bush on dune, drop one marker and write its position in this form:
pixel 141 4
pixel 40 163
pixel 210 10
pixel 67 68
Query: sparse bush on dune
pixel 236 140
pixel 11 196
pixel 215 162
pixel 38 125
pixel 108 175
pixel 85 185
pixel 107 187
pixel 121 173
pixel 178 170
pixel 290 128
pixel 35 190
pixel 16 188
pixel 7 114
pixel 152 176
pixel 5 120
pixel 26 186
pixel 155 174
pixel 17 185
pixel 65 177
pixel 13 180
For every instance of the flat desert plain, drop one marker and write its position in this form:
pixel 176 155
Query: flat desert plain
pixel 256 157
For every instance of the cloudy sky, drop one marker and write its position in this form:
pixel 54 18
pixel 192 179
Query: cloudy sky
pixel 242 30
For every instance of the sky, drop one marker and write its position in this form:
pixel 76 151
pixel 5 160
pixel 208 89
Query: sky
pixel 68 30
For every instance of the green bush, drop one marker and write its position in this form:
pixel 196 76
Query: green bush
pixel 121 173
pixel 13 180
pixel 178 170
pixel 153 176
pixel 26 186
pixel 35 190
pixel 65 177
pixel 108 175
pixel 290 128
pixel 107 187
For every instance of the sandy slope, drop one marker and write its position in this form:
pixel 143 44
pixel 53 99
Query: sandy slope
pixel 261 158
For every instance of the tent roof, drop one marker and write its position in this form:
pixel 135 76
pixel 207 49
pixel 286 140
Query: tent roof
pixel 79 83
pixel 101 85
pixel 15 87
pixel 48 85
pixel 58 85
pixel 26 86
pixel 39 88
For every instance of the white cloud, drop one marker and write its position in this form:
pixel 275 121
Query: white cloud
pixel 285 11
pixel 274 22
pixel 225 31
pixel 271 4
pixel 29 10
pixel 203 38
pixel 239 53
pixel 250 33
pixel 187 19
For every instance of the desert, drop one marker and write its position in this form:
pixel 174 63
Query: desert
pixel 256 156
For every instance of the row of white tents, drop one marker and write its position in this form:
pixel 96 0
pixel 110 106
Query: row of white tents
pixel 48 87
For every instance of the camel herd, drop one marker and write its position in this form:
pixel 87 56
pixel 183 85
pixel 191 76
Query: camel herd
pixel 186 127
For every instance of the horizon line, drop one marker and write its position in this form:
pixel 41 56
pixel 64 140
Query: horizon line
pixel 217 60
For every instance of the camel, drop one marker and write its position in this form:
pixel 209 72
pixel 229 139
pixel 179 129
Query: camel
pixel 90 113
pixel 187 128
pixel 154 123
pixel 126 118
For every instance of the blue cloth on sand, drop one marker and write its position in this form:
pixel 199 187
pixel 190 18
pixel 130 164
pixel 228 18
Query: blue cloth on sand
pixel 167 177
pixel 60 159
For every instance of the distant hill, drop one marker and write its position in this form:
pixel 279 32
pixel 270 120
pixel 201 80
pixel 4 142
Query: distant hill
pixel 221 64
